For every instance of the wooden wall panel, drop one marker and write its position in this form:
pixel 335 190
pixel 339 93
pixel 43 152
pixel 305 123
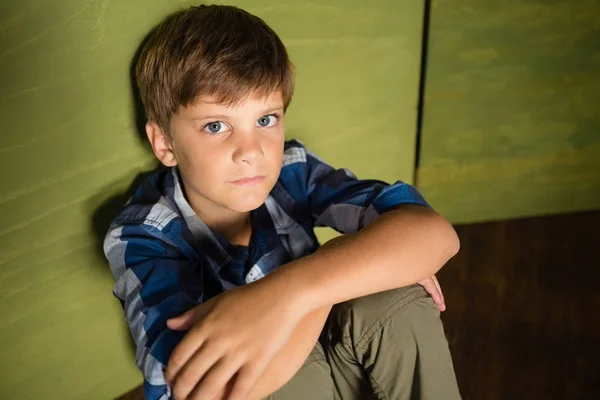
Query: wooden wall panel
pixel 511 123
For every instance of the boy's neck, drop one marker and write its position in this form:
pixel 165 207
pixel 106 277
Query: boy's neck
pixel 235 227
pixel 237 232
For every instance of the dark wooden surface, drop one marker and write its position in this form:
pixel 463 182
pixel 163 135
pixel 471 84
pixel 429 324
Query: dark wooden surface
pixel 523 318
pixel 523 308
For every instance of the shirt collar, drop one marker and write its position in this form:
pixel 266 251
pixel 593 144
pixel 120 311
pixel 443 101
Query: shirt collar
pixel 197 227
pixel 264 237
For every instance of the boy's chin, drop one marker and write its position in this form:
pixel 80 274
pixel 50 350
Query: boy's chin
pixel 247 204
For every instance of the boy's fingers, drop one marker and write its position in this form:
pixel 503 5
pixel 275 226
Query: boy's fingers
pixel 436 296
pixel 181 322
pixel 429 287
pixel 245 381
pixel 433 291
pixel 194 370
pixel 442 305
pixel 437 284
pixel 215 382
pixel 187 319
pixel 182 353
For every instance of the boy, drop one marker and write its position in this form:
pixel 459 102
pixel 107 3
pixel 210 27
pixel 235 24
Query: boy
pixel 223 283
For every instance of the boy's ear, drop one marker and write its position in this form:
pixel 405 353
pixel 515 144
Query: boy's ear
pixel 161 144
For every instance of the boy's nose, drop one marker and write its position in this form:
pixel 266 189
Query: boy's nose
pixel 248 149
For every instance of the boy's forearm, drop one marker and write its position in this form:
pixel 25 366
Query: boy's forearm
pixel 292 355
pixel 400 248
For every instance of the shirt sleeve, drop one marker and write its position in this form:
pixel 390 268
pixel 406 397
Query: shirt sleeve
pixel 154 283
pixel 339 200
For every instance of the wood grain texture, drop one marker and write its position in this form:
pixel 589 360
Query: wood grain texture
pixel 70 147
pixel 511 124
pixel 523 302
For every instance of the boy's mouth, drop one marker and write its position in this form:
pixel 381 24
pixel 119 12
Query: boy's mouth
pixel 249 181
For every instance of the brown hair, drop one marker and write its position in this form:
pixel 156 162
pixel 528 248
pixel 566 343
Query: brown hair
pixel 219 51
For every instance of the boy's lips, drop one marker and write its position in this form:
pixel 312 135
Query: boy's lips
pixel 249 181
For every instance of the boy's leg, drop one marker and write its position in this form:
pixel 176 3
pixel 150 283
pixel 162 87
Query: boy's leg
pixel 395 339
pixel 313 381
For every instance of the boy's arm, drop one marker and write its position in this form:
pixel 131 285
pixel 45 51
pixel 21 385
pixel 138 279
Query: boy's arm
pixel 337 199
pixel 402 247
pixel 286 362
pixel 292 355
pixel 324 288
pixel 289 360
pixel 295 351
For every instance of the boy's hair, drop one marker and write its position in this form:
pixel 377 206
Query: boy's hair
pixel 219 51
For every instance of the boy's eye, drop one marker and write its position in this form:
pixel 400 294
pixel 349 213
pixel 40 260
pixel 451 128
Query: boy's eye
pixel 267 121
pixel 215 127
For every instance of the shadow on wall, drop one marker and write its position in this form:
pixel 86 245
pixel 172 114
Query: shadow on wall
pixel 104 214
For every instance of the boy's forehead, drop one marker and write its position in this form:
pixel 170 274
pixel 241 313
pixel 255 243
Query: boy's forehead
pixel 270 100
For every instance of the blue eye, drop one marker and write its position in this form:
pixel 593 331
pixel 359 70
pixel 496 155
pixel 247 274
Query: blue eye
pixel 215 127
pixel 267 121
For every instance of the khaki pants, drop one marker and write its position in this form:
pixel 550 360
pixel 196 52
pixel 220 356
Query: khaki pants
pixel 389 345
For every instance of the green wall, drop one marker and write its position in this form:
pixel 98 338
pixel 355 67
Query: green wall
pixel 511 122
pixel 69 147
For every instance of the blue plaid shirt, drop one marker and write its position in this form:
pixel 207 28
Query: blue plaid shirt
pixel 166 260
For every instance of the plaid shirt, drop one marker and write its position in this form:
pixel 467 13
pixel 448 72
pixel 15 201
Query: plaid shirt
pixel 166 260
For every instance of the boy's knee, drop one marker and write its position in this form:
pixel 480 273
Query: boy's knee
pixel 398 338
pixel 359 319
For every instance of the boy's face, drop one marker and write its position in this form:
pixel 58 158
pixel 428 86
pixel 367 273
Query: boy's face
pixel 229 157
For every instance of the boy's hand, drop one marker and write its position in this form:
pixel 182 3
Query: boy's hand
pixel 234 337
pixel 432 286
